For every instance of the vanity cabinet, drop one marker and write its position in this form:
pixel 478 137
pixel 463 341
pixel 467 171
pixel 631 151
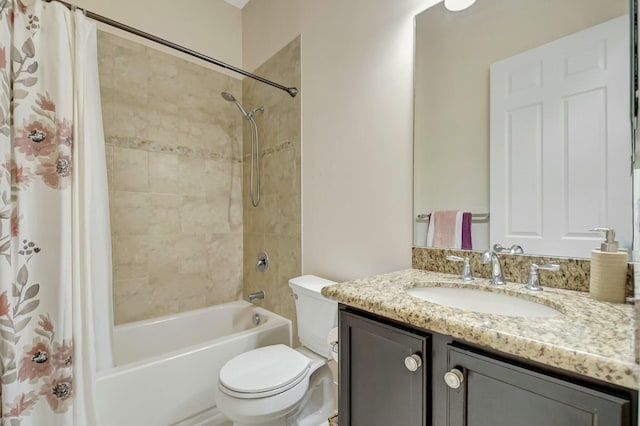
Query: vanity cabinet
pixel 494 389
pixel 495 393
pixel 383 375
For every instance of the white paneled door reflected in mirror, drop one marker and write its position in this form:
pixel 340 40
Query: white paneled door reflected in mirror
pixel 523 113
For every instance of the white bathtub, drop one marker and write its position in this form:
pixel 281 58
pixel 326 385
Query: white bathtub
pixel 166 368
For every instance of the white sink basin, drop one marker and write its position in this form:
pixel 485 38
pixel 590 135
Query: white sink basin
pixel 483 301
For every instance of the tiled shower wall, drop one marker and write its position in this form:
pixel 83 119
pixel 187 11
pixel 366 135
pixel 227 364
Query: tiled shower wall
pixel 274 226
pixel 174 164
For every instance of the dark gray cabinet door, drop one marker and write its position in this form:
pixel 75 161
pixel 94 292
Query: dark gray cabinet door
pixel 376 388
pixel 495 393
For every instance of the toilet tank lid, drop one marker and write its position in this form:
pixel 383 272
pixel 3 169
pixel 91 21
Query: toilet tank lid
pixel 310 282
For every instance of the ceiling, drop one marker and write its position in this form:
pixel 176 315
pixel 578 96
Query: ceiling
pixel 238 3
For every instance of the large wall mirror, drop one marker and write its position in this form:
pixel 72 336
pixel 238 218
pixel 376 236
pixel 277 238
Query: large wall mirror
pixel 522 118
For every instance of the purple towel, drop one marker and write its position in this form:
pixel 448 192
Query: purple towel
pixel 466 231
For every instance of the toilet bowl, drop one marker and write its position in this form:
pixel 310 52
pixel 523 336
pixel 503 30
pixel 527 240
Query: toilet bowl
pixel 280 386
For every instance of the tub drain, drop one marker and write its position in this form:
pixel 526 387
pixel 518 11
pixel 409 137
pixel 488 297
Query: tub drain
pixel 256 319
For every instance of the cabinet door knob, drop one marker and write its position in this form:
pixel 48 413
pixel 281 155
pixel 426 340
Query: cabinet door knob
pixel 413 362
pixel 454 378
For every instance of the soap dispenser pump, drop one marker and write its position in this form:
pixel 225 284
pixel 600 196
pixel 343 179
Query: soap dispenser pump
pixel 610 244
pixel 608 269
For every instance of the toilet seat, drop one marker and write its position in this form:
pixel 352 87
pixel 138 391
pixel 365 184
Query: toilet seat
pixel 263 372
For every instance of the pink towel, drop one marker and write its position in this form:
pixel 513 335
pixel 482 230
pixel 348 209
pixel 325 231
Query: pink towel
pixel 444 232
pixel 449 229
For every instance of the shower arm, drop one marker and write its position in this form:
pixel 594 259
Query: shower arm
pixel 292 91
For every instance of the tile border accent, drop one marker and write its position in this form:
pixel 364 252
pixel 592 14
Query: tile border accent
pixel 151 146
pixel 288 144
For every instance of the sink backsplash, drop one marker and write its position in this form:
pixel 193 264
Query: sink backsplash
pixel 573 275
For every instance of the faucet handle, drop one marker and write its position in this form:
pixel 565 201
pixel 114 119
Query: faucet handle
pixel 546 266
pixel 514 249
pixel 466 268
pixel 533 282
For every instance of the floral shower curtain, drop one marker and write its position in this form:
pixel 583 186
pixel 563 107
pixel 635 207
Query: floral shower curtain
pixel 55 309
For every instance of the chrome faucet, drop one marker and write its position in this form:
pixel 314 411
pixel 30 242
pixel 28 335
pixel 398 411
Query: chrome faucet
pixel 496 269
pixel 258 295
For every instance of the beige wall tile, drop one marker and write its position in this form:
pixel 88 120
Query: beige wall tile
pixel 123 115
pixel 282 214
pixel 130 256
pixel 191 176
pixel 286 255
pixel 163 173
pixel 122 65
pixel 194 302
pixel 198 216
pixel 167 127
pixel 133 300
pixel 109 160
pixel 222 254
pixel 164 214
pixel 279 172
pixel 130 213
pixel 236 202
pixel 274 226
pixel 162 78
pixel 177 210
pixel 171 288
pixel 191 250
pixel 130 170
pixel 162 258
pixel 219 182
pixel 298 185
pixel 129 287
pixel 140 306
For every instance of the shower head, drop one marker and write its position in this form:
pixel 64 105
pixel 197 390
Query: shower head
pixel 248 115
pixel 230 98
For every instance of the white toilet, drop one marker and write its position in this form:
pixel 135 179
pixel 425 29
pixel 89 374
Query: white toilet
pixel 280 386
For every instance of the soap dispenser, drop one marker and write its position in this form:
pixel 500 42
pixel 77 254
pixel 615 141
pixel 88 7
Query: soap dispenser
pixel 608 270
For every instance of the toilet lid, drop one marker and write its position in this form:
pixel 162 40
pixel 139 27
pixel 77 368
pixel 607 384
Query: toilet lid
pixel 264 369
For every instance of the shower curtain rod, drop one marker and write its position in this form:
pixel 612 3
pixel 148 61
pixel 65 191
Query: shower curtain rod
pixel 103 19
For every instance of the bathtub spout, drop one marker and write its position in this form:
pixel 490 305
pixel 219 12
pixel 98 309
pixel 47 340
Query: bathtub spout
pixel 256 296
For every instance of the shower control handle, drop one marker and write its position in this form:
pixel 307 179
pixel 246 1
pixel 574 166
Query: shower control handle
pixel 262 265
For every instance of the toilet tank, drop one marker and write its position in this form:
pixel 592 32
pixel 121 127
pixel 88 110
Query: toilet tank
pixel 315 313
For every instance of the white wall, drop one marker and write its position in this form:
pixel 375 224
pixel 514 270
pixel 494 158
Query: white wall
pixel 211 27
pixel 357 120
pixel 268 26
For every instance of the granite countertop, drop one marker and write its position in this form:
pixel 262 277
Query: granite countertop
pixel 591 338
